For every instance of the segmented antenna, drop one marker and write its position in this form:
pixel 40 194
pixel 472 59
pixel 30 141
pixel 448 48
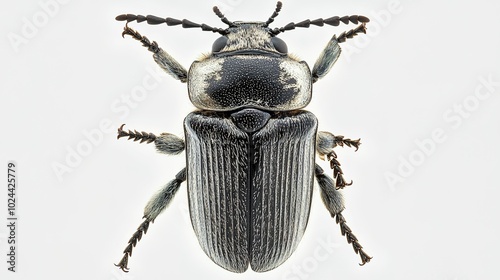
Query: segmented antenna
pixel 222 17
pixel 334 21
pixel 153 20
pixel 275 14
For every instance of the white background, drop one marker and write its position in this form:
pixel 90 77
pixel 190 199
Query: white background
pixel 394 88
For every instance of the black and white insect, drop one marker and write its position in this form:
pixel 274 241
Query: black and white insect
pixel 250 148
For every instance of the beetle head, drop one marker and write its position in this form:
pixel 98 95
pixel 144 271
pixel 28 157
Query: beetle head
pixel 249 67
pixel 246 37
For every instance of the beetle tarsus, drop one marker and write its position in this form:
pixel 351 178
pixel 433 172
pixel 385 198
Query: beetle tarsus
pixel 152 47
pixel 123 264
pixel 166 143
pixel 341 141
pixel 332 198
pixel 136 135
pixel 155 206
pixel 162 58
pixel 351 33
pixel 332 51
pixel 325 144
pixel 142 229
pixel 340 182
pixel 338 175
pixel 351 238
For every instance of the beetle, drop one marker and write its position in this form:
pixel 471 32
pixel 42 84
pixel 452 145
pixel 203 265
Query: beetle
pixel 250 148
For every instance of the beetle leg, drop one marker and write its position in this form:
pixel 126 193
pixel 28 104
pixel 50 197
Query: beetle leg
pixel 155 206
pixel 166 143
pixel 162 58
pixel 351 238
pixel 324 145
pixel 332 51
pixel 332 198
pixel 338 174
pixel 326 59
pixel 326 141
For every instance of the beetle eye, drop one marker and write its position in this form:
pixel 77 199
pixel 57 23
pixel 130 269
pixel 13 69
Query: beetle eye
pixel 219 44
pixel 279 45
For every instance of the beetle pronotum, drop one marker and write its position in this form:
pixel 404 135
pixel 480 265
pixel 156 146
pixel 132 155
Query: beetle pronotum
pixel 250 149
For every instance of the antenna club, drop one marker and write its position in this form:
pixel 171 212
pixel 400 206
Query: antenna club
pixel 217 12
